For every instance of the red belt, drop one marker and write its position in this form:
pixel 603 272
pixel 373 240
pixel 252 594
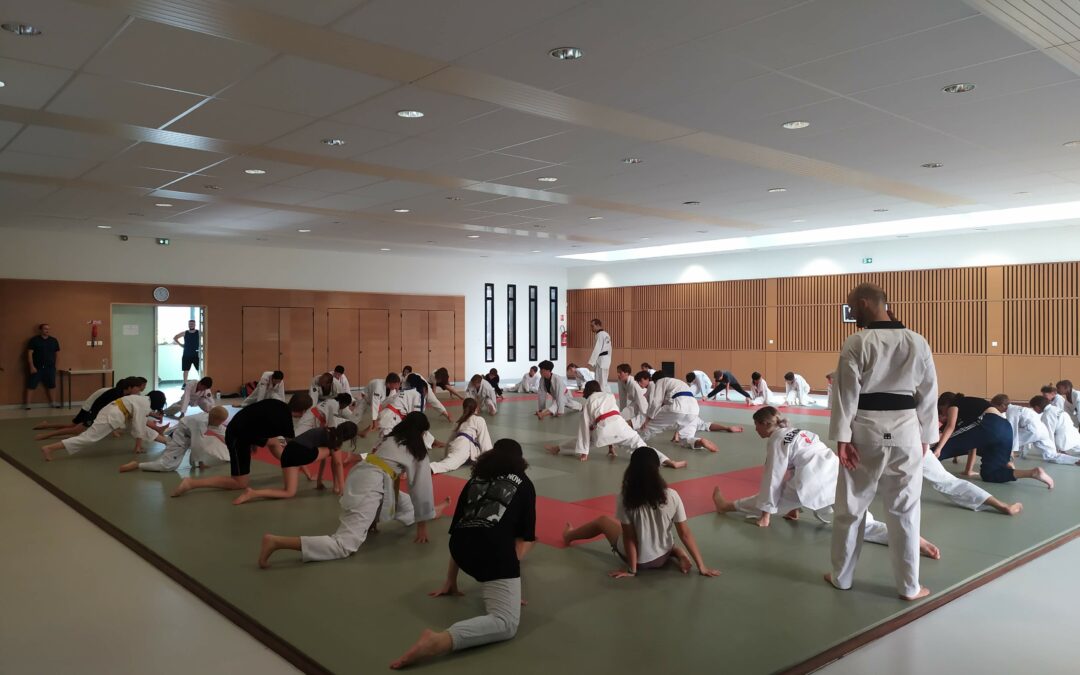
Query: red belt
pixel 610 413
pixel 394 410
pixel 318 414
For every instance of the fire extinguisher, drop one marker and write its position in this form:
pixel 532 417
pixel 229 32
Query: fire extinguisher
pixel 93 334
pixel 564 336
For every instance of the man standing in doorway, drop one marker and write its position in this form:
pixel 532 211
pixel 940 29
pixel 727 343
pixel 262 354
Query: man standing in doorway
pixel 884 416
pixel 191 348
pixel 41 359
pixel 600 360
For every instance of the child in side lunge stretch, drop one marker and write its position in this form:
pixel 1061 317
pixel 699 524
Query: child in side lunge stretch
pixel 640 534
pixel 494 527
pixel 468 442
pixel 372 494
pixel 203 434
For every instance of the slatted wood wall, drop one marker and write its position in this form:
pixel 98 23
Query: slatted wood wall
pixel 1042 310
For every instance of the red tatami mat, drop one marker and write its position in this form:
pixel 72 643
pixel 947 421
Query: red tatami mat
pixel 696 493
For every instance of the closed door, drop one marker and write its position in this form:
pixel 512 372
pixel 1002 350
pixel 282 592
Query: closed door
pixel 441 345
pixel 296 346
pixel 414 340
pixel 343 342
pixel 260 341
pixel 373 328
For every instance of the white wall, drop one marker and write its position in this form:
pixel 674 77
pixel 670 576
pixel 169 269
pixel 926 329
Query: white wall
pixel 103 257
pixel 970 249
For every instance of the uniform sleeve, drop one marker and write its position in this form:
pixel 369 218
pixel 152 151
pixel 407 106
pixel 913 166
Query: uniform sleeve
pixel 375 397
pixel 526 525
pixel 680 510
pixel 847 384
pixel 584 435
pixel 421 490
pixel 541 396
pixel 926 395
pixel 185 400
pixel 772 480
pixel 563 393
pixel 433 401
pixel 655 400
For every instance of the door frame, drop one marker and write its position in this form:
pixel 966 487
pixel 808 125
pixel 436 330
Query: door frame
pixel 202 329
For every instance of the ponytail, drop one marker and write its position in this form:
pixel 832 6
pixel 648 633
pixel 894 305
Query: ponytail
pixel 468 409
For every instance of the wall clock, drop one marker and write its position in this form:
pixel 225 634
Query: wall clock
pixel 161 294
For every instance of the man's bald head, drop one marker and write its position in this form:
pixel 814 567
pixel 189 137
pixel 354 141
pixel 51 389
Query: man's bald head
pixel 867 302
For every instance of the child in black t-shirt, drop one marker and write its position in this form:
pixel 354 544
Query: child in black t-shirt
pixel 494 526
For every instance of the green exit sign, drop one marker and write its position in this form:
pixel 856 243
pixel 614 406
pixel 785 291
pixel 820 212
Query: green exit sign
pixel 867 261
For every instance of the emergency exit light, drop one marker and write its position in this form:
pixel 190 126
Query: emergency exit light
pixel 867 261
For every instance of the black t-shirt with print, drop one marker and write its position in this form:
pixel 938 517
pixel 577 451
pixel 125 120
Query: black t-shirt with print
pixel 491 516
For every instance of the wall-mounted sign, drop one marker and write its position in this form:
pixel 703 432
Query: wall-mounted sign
pixel 845 314
pixel 867 261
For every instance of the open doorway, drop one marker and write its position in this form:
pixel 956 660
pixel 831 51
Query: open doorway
pixel 173 330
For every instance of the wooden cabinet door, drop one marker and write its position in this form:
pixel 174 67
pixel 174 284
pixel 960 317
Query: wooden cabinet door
pixel 441 347
pixel 260 341
pixel 343 342
pixel 414 340
pixel 373 329
pixel 296 346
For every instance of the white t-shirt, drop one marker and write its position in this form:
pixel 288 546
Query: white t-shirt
pixel 653 526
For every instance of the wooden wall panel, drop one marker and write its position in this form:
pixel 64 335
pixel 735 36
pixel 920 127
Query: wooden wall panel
pixel 441 345
pixel 414 340
pixel 261 348
pixel 343 342
pixel 995 376
pixel 743 364
pixel 1024 375
pixel 296 345
pixel 373 329
pixel 965 374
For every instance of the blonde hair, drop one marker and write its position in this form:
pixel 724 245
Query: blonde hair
pixel 218 415
pixel 770 414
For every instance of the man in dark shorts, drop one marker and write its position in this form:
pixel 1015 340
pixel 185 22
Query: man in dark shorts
pixel 249 429
pixel 41 360
pixel 190 344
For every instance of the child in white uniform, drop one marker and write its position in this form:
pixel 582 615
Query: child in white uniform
pixel 632 399
pixel 135 413
pixel 640 533
pixel 797 391
pixel 759 389
pixel 529 384
pixel 484 394
pixel 1030 433
pixel 202 433
pixel 699 383
pixel 553 387
pixel 271 385
pixel 1071 397
pixel 469 440
pixel 672 406
pixel 199 394
pixel 579 375
pixel 1066 437
pixel 373 396
pixel 341 383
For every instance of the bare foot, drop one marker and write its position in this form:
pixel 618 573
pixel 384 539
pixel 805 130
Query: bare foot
pixel 552 449
pixel 441 507
pixel 675 437
pixel 1014 509
pixel 611 452
pixel 706 444
pixel 246 496
pixel 44 424
pixel 722 505
pixel 430 644
pixel 923 592
pixel 46 453
pixel 566 534
pixel 182 488
pixel 1044 477
pixel 969 474
pixel 928 550
pixel 583 458
pixel 681 464
pixel 828 580
pixel 266 550
pixel 793 514
pixel 130 466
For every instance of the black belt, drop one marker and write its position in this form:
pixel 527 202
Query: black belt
pixel 885 401
pixel 604 353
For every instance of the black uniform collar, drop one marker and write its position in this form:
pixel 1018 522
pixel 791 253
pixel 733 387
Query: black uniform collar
pixel 885 324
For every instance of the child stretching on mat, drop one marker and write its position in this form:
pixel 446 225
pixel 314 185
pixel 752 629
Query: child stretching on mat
pixel 494 527
pixel 312 446
pixel 372 495
pixel 135 413
pixel 93 405
pixel 469 440
pixel 645 512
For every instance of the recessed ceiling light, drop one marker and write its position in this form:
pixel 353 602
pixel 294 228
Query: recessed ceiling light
pixel 384 249
pixel 333 142
pixel 305 230
pixel 880 210
pixel 796 124
pixel 410 114
pixel 566 53
pixel 538 226
pixel 959 88
pixel 1022 192
pixel 643 239
pixel 774 190
pixel 212 187
pixel 981 229
pixel 473 236
pixel 401 210
pixel 799 220
pixel 547 179
pixel 104 227
pixel 20 29
pixel 164 205
pixel 902 236
pixel 534 251
pixel 596 217
pixel 631 160
pixel 431 241
pixel 255 172
pixel 2 85
pixel 1071 144
pixel 932 165
pixel 691 203
pixel 575 246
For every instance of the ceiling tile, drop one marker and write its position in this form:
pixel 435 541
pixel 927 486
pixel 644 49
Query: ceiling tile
pixel 488 166
pixel 8 131
pixel 170 158
pixel 343 202
pixel 283 194
pixel 162 55
pixel 326 180
pixel 498 130
pixel 440 110
pixel 239 122
pixel 358 140
pixel 117 101
pixel 71 31
pixel 44 165
pixel 300 86
pixel 317 13
pixel 62 143
pixel 417 154
pixel 123 173
pixel 393 190
pixel 233 169
pixel 29 85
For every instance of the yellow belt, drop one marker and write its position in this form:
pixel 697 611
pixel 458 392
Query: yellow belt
pixel 378 463
pixel 120 404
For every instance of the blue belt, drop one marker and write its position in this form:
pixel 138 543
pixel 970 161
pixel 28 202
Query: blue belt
pixel 470 438
pixel 682 393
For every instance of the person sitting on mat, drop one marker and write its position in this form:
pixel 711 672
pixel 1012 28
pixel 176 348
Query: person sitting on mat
pixel 645 511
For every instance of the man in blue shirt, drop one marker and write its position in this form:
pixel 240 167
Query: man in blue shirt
pixel 41 361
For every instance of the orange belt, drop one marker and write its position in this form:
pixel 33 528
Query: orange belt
pixel 318 414
pixel 610 413
pixel 394 410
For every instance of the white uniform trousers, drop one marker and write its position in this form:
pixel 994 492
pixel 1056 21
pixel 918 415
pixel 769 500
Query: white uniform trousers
pixel 601 373
pixel 175 449
pixel 458 451
pixel 895 469
pixel 359 509
pixel 572 405
pixel 963 493
pixel 876 532
pixel 686 424
pixel 108 420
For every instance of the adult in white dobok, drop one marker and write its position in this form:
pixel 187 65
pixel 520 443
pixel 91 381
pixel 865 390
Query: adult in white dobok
pixel 602 424
pixel 529 384
pixel 271 385
pixel 884 417
pixel 632 400
pixel 553 388
pixel 600 359
pixel 813 468
pixel 1030 434
pixel 672 406
pixel 1057 422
